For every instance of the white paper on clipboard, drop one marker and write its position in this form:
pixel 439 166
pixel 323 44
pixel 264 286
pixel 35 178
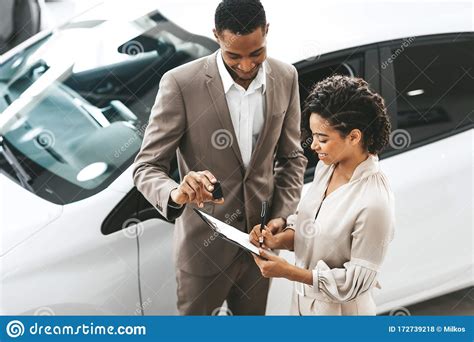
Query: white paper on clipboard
pixel 231 233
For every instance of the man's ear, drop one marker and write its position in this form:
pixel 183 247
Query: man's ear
pixel 216 35
pixel 266 28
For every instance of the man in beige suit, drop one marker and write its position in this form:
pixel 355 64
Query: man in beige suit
pixel 233 116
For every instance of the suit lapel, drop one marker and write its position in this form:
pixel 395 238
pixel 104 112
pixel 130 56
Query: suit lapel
pixel 269 100
pixel 216 92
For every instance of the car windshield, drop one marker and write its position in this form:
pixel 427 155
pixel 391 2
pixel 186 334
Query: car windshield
pixel 74 104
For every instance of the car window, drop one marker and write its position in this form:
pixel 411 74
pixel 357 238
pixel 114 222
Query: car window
pixel 76 122
pixel 434 88
pixel 308 77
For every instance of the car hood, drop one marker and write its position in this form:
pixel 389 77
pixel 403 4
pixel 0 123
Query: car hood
pixel 22 214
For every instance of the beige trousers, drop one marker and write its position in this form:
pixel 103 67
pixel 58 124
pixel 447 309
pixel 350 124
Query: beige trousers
pixel 240 284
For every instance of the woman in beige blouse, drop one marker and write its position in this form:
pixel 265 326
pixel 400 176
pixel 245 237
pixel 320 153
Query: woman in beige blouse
pixel 344 223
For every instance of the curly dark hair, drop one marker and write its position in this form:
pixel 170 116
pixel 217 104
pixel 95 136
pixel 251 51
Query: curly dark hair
pixel 240 16
pixel 348 103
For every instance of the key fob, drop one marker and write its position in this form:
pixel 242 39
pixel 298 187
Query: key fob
pixel 217 192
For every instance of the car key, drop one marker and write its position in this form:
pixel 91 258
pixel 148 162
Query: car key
pixel 217 192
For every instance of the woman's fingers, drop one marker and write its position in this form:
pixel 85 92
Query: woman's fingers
pixel 269 238
pixel 253 238
pixel 257 231
pixel 266 255
pixel 255 234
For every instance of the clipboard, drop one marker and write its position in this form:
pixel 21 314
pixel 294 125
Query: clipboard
pixel 242 240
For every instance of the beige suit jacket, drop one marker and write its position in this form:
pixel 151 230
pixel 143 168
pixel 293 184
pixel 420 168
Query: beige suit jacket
pixel 191 118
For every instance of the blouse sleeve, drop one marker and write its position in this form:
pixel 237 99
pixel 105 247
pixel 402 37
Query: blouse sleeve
pixel 372 233
pixel 291 221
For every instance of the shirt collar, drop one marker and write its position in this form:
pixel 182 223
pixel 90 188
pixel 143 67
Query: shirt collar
pixel 366 168
pixel 228 81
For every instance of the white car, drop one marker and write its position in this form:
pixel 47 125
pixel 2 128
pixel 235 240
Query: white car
pixel 78 238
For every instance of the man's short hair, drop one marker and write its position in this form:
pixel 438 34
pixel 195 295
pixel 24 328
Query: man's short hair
pixel 240 16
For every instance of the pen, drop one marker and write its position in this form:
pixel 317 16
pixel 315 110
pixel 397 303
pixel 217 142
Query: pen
pixel 263 219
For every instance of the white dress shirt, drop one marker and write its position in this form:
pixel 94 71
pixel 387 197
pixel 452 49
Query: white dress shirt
pixel 246 107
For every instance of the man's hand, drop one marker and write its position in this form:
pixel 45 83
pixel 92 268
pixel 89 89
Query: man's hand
pixel 196 187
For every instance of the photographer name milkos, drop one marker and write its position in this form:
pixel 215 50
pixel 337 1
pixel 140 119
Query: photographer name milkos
pixel 454 329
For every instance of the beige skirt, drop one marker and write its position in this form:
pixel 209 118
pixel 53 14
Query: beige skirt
pixel 363 305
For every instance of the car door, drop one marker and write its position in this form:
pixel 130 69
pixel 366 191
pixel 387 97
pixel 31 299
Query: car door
pixel 360 62
pixel 135 217
pixel 428 84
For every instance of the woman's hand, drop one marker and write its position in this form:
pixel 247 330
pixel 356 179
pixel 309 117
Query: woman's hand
pixel 283 240
pixel 272 266
pixel 265 237
pixel 276 225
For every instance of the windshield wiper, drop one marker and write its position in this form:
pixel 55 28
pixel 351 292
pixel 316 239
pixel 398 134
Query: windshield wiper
pixel 20 172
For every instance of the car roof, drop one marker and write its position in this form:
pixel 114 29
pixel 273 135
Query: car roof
pixel 305 28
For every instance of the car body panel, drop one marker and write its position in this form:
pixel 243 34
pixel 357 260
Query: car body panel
pixel 35 214
pixel 72 268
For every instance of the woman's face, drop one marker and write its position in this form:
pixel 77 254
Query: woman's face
pixel 328 143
